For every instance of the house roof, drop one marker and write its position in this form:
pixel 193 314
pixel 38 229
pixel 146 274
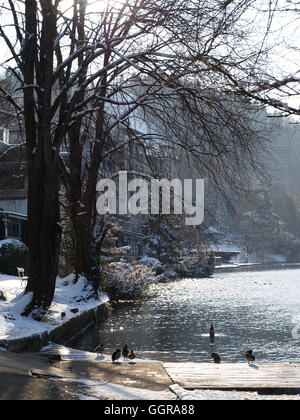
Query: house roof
pixel 213 230
pixel 12 214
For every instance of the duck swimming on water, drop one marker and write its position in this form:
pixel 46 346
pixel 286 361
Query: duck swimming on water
pixel 211 331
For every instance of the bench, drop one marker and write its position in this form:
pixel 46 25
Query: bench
pixel 21 274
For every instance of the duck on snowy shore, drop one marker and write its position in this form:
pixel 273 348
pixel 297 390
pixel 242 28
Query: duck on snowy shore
pixel 131 355
pixel 216 357
pixel 116 355
pixel 249 356
pixel 99 349
pixel 125 352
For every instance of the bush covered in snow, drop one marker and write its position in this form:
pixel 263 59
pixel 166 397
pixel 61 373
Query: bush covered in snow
pixel 75 289
pixel 128 281
pixel 13 254
pixel 153 262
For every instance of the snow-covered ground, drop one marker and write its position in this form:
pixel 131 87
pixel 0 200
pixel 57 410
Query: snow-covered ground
pixel 68 296
pixel 92 389
pixel 95 390
pixel 70 354
pixel 208 394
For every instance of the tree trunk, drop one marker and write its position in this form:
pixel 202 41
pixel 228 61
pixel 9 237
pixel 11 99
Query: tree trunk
pixel 44 238
pixel 86 258
pixel 81 196
pixel 42 157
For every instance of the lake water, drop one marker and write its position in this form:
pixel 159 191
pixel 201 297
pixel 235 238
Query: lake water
pixel 253 308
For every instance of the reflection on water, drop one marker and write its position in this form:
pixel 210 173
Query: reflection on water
pixel 249 309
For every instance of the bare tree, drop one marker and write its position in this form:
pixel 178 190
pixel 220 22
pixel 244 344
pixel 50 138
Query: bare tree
pixel 277 83
pixel 75 63
pixel 153 55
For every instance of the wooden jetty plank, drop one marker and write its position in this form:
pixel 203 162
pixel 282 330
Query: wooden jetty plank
pixel 234 375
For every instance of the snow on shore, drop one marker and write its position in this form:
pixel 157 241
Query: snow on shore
pixel 68 296
pixel 89 389
pixel 92 389
pixel 209 394
pixel 96 390
pixel 70 354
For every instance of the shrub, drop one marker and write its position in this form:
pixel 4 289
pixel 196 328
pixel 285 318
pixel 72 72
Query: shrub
pixel 128 281
pixel 153 262
pixel 13 254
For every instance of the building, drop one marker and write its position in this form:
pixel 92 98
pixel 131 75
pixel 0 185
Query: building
pixel 146 152
pixel 13 226
pixel 13 180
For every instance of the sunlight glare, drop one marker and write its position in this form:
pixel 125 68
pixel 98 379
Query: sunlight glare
pixel 93 6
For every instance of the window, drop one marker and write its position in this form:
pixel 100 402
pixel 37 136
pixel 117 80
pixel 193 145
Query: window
pixel 13 229
pixel 4 135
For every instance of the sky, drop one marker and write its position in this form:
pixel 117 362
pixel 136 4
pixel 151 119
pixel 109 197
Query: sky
pixel 283 27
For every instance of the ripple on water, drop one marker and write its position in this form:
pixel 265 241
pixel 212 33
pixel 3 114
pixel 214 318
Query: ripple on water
pixel 254 309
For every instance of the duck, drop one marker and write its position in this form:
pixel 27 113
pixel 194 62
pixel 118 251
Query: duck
pixel 216 357
pixel 131 355
pixel 125 352
pixel 99 349
pixel 54 358
pixel 212 331
pixel 116 355
pixel 249 356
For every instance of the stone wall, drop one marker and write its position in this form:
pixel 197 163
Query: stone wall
pixel 60 335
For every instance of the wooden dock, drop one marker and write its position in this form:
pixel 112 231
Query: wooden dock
pixel 235 376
